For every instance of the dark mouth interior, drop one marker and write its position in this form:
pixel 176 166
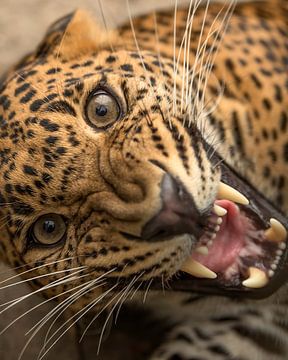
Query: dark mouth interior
pixel 237 247
pixel 236 251
pixel 236 243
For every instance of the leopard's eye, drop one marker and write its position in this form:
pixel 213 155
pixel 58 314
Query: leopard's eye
pixel 102 109
pixel 49 229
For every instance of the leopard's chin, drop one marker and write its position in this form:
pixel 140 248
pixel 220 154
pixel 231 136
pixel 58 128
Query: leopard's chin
pixel 244 249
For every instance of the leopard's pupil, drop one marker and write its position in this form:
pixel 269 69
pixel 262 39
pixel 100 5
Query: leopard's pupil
pixel 49 226
pixel 101 110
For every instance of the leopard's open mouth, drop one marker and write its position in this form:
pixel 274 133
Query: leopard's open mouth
pixel 244 247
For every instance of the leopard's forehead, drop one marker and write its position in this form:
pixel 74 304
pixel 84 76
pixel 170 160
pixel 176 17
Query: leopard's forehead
pixel 54 78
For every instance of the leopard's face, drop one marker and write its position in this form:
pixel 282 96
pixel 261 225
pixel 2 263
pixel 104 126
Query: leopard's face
pixel 97 168
pixel 106 178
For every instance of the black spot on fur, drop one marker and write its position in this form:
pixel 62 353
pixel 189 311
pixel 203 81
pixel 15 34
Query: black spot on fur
pixel 21 89
pixel 62 107
pixel 27 97
pixel 111 59
pixel 53 71
pixel 29 170
pixel 49 126
pixel 21 208
pixel 5 102
pixel 127 67
pixel 283 121
pixel 256 81
pixel 285 152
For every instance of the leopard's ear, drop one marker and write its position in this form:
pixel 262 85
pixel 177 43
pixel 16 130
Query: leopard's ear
pixel 74 35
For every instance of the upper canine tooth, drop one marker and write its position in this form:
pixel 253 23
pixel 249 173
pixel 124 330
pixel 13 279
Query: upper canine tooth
pixel 257 279
pixel 198 270
pixel 218 210
pixel 226 192
pixel 277 232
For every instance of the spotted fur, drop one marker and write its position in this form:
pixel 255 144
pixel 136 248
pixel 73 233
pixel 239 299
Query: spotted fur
pixel 107 183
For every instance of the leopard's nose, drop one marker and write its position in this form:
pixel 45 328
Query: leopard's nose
pixel 177 216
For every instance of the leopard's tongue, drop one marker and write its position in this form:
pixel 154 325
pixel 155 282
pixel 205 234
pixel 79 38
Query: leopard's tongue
pixel 224 249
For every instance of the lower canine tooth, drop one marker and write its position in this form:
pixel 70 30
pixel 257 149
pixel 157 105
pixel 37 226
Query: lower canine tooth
pixel 226 192
pixel 277 232
pixel 198 270
pixel 257 279
pixel 218 210
pixel 203 250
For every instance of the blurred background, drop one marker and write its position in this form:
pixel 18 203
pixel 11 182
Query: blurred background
pixel 22 23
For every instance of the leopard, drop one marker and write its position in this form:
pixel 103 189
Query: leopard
pixel 144 176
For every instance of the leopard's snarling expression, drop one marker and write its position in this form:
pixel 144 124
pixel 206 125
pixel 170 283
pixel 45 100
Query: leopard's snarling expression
pixel 105 174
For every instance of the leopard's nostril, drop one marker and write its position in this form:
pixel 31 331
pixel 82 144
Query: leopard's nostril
pixel 177 216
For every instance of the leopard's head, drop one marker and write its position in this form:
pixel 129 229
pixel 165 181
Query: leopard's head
pixel 106 180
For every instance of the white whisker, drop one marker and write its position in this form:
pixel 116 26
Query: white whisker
pixel 222 30
pixel 41 276
pixel 113 308
pixel 34 268
pixel 65 304
pixel 41 304
pixel 147 290
pixel 159 59
pixel 198 53
pixel 38 326
pixel 105 23
pixel 174 55
pixel 57 282
pixel 85 309
pixel 128 293
pixel 90 283
pixel 98 314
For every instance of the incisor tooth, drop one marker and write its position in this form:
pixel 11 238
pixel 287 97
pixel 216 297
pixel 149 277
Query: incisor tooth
pixel 257 279
pixel 219 221
pixel 198 270
pixel 210 242
pixel 277 232
pixel 218 210
pixel 226 192
pixel 203 250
